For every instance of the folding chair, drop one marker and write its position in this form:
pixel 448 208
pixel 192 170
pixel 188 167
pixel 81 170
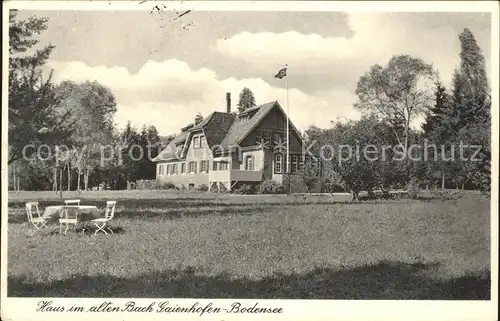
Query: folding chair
pixel 37 221
pixel 68 202
pixel 102 223
pixel 69 217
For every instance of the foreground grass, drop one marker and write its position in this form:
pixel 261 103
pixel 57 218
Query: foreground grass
pixel 186 245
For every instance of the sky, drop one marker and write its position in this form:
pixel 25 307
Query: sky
pixel 164 72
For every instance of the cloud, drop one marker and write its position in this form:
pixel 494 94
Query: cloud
pixel 168 94
pixel 305 49
pixel 314 54
pixel 341 60
pixel 323 69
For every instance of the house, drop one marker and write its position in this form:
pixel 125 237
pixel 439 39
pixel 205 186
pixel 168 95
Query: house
pixel 227 149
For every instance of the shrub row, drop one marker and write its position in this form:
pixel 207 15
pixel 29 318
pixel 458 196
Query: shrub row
pixel 268 186
pixel 154 184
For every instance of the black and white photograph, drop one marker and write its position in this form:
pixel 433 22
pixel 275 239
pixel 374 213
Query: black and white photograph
pixel 241 156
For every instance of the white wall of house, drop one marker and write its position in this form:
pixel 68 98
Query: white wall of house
pixel 254 159
pixel 199 154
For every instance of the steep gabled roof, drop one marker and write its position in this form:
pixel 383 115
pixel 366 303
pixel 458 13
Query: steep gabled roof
pixel 168 152
pixel 241 128
pixel 215 126
pixel 202 123
pixel 222 129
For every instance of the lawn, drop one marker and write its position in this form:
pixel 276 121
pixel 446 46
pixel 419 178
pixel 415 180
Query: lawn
pixel 188 244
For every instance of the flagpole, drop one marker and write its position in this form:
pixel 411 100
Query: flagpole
pixel 287 135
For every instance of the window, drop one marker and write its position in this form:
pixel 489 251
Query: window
pixel 214 166
pixel 295 163
pixel 278 160
pixel 202 142
pixel 168 169
pixel 204 166
pixel 174 169
pixel 160 170
pixel 249 163
pixel 196 142
pixel 223 166
pixel 183 168
pixel 192 167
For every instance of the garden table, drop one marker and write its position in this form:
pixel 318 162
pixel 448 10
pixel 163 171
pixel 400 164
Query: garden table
pixel 85 212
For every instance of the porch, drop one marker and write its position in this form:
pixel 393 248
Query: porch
pixel 225 180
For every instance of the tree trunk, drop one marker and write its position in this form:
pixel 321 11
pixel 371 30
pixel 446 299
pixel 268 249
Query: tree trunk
pixel 54 184
pixel 409 187
pixel 86 178
pixel 14 180
pixel 79 179
pixel 60 182
pixel 354 196
pixel 69 177
pixel 442 180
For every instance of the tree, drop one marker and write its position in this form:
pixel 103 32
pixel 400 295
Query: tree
pixel 32 100
pixel 151 144
pixel 440 112
pixel 473 71
pixel 130 138
pixel 463 118
pixel 92 107
pixel 345 162
pixel 474 105
pixel 437 127
pixel 198 118
pixel 246 99
pixel 397 94
pixel 310 173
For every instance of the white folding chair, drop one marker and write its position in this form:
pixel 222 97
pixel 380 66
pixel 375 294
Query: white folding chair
pixel 69 217
pixel 38 221
pixel 69 202
pixel 102 223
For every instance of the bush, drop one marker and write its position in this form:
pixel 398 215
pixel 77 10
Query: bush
pixel 413 189
pixel 244 189
pixel 169 185
pixel 332 187
pixel 152 184
pixel 270 186
pixel 146 184
pixel 202 188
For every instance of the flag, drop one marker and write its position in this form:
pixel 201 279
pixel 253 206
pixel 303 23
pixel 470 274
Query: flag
pixel 281 73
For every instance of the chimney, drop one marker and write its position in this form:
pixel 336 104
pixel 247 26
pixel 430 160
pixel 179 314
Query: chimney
pixel 228 103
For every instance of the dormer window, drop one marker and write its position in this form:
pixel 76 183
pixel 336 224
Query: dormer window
pixel 202 142
pixel 196 142
pixel 178 149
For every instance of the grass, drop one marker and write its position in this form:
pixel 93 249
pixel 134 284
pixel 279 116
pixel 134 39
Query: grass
pixel 189 244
